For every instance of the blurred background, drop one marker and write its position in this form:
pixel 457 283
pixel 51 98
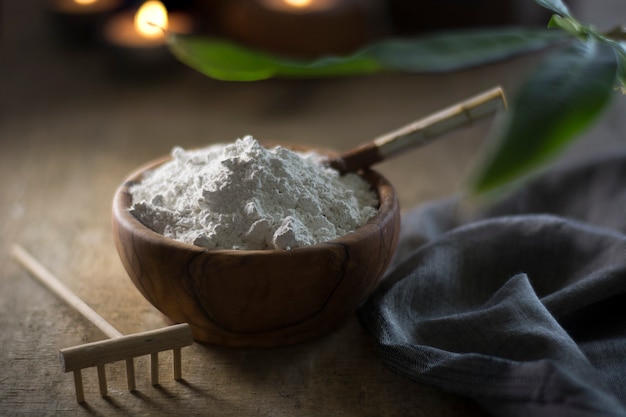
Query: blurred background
pixel 67 80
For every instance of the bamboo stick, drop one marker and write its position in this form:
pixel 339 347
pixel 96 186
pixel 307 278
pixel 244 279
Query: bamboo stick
pixel 422 131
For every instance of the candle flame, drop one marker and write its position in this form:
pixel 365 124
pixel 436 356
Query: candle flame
pixel 298 3
pixel 151 19
pixel 85 1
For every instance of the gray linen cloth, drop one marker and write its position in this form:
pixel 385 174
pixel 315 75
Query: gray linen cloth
pixel 522 307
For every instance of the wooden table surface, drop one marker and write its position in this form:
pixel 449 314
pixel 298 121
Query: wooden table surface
pixel 70 132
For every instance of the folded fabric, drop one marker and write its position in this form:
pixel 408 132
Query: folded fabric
pixel 522 307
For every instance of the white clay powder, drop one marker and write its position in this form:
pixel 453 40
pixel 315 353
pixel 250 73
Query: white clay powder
pixel 244 196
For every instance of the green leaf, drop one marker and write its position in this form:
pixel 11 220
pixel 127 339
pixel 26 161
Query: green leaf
pixel 225 60
pixel 459 49
pixel 558 101
pixel 220 60
pixel 568 24
pixel 557 6
pixel 621 59
pixel 620 50
pixel 228 61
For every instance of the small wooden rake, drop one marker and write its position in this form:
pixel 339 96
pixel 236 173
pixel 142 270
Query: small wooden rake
pixel 118 347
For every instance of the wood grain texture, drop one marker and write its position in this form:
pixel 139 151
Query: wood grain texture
pixel 257 298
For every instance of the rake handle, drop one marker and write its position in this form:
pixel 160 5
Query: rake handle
pixel 53 284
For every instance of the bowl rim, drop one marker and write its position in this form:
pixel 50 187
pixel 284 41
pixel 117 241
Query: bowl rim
pixel 122 200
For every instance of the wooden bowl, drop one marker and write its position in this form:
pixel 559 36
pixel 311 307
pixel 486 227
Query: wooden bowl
pixel 257 298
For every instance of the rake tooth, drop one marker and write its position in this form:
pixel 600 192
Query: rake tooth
pixel 154 368
pixel 176 358
pixel 102 380
pixel 78 383
pixel 130 373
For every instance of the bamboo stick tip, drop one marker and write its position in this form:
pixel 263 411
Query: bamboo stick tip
pixel 502 96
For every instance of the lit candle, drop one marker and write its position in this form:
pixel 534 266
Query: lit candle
pixel 303 27
pixel 146 26
pixel 137 38
pixel 300 6
pixel 151 20
pixel 85 6
pixel 81 20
